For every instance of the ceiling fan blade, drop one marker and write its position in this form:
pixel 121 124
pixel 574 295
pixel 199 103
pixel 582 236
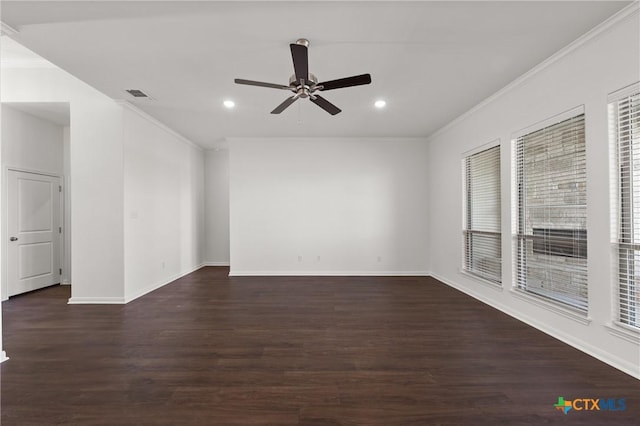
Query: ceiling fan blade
pixel 356 80
pixel 325 105
pixel 260 83
pixel 285 104
pixel 300 56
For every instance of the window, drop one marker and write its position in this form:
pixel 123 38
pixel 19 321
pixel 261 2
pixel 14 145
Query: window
pixel 551 212
pixel 482 236
pixel 624 114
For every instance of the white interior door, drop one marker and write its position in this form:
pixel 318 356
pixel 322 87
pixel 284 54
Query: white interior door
pixel 33 220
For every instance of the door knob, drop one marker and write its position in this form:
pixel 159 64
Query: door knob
pixel 13 239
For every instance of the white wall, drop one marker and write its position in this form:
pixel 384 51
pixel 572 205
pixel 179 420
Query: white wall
pixel 328 206
pixel 582 76
pixel 96 159
pixel 163 169
pixel 66 267
pixel 32 144
pixel 217 207
pixel 163 205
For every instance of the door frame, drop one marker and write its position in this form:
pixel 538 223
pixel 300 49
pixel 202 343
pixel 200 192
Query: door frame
pixel 4 234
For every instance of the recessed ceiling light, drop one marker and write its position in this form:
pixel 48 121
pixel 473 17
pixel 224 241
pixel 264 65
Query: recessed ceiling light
pixel 229 104
pixel 380 104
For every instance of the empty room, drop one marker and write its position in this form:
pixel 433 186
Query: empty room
pixel 319 212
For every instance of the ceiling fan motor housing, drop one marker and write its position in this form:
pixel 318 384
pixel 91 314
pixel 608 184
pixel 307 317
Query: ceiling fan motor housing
pixel 303 90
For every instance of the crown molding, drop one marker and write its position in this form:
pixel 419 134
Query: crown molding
pixel 7 30
pixel 158 123
pixel 602 28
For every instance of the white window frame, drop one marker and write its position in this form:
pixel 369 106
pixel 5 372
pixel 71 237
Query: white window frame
pixel 628 324
pixel 466 224
pixel 552 302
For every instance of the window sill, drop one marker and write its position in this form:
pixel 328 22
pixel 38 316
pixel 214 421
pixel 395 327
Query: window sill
pixel 623 331
pixel 566 312
pixel 488 283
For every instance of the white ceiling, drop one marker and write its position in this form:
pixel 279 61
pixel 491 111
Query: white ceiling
pixel 431 61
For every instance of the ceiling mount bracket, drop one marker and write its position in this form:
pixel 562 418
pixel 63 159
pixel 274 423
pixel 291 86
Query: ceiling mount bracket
pixel 303 42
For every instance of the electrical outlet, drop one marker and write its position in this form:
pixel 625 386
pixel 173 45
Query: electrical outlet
pixel 299 258
pixel 318 259
pixel 379 259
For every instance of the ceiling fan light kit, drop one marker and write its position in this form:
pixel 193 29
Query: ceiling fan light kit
pixel 304 84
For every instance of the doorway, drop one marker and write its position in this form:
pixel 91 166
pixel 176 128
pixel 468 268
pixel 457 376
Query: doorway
pixel 35 248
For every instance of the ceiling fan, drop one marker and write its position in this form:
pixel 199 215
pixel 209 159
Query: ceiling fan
pixel 305 85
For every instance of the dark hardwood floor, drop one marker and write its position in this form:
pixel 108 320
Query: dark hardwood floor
pixel 213 350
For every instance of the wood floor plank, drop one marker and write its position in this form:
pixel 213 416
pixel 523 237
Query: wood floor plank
pixel 212 349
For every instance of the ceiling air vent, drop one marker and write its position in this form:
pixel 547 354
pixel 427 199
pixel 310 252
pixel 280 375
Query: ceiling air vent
pixel 137 93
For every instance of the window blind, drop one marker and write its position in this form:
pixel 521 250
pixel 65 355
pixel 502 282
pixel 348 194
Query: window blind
pixel 551 252
pixel 482 233
pixel 625 120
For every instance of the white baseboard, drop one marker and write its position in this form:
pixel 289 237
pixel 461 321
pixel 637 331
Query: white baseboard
pixel 65 282
pixel 614 361
pixel 96 301
pixel 225 263
pixel 329 273
pixel 3 356
pixel 129 298
pixel 162 283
